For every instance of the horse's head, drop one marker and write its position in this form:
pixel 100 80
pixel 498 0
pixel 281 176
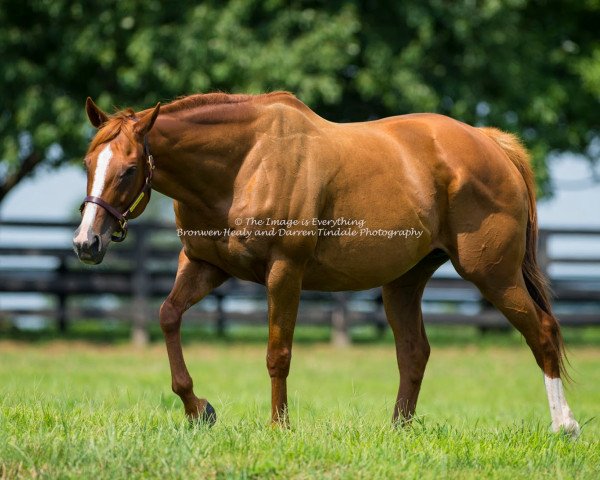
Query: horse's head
pixel 119 169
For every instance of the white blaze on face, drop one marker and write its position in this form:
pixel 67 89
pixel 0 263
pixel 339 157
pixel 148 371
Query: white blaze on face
pixel 90 209
pixel 562 417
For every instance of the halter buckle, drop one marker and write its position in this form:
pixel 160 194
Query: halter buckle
pixel 120 235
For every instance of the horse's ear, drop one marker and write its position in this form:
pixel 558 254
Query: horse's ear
pixel 97 117
pixel 144 124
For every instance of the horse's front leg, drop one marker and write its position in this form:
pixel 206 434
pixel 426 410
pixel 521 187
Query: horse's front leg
pixel 284 282
pixel 193 282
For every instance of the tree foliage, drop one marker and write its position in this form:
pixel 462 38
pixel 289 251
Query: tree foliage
pixel 532 67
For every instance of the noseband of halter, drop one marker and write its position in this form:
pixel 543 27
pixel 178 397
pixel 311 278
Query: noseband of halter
pixel 120 234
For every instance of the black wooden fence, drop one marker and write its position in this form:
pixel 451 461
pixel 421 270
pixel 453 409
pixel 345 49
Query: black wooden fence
pixel 140 272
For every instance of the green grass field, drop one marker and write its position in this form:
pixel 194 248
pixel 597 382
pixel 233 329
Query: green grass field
pixel 81 410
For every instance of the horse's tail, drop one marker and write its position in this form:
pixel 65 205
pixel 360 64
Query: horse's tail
pixel 535 280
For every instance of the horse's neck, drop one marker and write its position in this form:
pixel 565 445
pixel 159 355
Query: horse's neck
pixel 196 162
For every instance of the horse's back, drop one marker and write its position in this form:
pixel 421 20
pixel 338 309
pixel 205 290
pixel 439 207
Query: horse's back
pixel 452 158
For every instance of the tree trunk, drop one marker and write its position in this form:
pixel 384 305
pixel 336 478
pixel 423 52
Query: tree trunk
pixel 26 167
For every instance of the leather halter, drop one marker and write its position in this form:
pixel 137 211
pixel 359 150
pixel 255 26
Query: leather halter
pixel 119 235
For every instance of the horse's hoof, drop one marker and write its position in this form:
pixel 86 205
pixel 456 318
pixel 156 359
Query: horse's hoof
pixel 209 416
pixel 570 427
pixel 402 421
pixel 203 414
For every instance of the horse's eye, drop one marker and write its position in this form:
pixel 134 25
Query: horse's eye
pixel 130 171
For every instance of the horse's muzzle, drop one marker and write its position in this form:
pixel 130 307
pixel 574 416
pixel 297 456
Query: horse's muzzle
pixel 89 247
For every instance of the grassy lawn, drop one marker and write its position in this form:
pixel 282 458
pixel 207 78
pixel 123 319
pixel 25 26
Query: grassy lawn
pixel 81 410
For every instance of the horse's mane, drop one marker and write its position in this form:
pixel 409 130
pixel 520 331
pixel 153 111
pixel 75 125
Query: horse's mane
pixel 120 120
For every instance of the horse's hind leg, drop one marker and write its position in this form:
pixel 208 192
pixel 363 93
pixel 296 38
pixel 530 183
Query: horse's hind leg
pixel 499 275
pixel 194 281
pixel 402 302
pixel 542 334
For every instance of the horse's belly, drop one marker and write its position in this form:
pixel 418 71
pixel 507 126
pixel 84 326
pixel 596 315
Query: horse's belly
pixel 364 262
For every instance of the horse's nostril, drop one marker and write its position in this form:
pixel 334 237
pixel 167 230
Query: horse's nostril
pixel 96 243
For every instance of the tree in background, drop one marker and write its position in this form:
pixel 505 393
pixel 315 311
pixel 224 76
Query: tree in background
pixel 528 67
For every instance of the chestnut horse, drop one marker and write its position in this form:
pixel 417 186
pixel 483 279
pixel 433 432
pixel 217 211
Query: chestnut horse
pixel 237 164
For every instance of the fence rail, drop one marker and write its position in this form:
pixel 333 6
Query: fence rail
pixel 141 272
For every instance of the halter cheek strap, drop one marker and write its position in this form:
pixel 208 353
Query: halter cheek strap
pixel 119 235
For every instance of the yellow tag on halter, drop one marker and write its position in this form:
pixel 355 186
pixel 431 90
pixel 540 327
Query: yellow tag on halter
pixel 137 200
